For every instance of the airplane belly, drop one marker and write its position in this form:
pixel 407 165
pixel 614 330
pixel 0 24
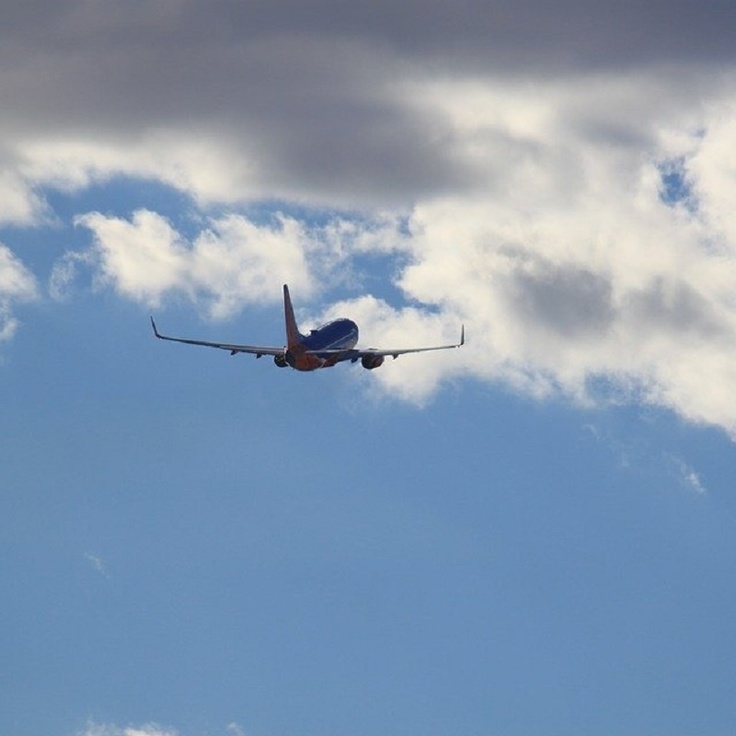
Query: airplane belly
pixel 302 361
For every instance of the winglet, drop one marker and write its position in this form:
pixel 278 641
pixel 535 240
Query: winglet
pixel 155 331
pixel 462 336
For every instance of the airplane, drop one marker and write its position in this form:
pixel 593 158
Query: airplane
pixel 323 347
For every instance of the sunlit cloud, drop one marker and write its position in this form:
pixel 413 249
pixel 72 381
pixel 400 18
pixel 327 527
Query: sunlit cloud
pixel 232 263
pixel 148 729
pixel 17 285
pixel 101 729
pixel 686 475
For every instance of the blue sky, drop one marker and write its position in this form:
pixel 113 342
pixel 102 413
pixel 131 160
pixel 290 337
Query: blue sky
pixel 198 541
pixel 533 534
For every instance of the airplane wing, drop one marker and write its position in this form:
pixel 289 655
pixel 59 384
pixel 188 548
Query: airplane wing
pixel 256 350
pixel 357 354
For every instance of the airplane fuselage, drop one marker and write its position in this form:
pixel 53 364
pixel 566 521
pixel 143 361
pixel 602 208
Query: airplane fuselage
pixel 339 335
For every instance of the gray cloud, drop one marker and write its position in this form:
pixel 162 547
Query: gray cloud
pixel 529 34
pixel 303 95
pixel 469 126
pixel 676 307
pixel 571 301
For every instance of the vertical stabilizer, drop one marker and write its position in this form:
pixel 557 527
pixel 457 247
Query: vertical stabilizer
pixel 292 331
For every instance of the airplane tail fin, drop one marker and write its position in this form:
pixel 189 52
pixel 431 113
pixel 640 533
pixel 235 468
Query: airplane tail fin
pixel 292 331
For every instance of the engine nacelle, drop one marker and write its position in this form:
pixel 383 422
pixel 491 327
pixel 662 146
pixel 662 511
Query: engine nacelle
pixel 280 361
pixel 369 362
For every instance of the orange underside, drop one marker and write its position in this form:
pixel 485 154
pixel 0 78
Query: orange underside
pixel 303 361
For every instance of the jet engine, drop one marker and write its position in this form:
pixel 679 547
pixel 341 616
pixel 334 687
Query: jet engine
pixel 369 362
pixel 280 361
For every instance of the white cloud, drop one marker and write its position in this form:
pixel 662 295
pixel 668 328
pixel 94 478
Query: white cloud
pixel 563 278
pixel 19 203
pixel 686 475
pixel 211 167
pixel 231 263
pixel 97 563
pixel 17 284
pixel 151 729
pixel 411 377
pixel 16 281
pixel 710 166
